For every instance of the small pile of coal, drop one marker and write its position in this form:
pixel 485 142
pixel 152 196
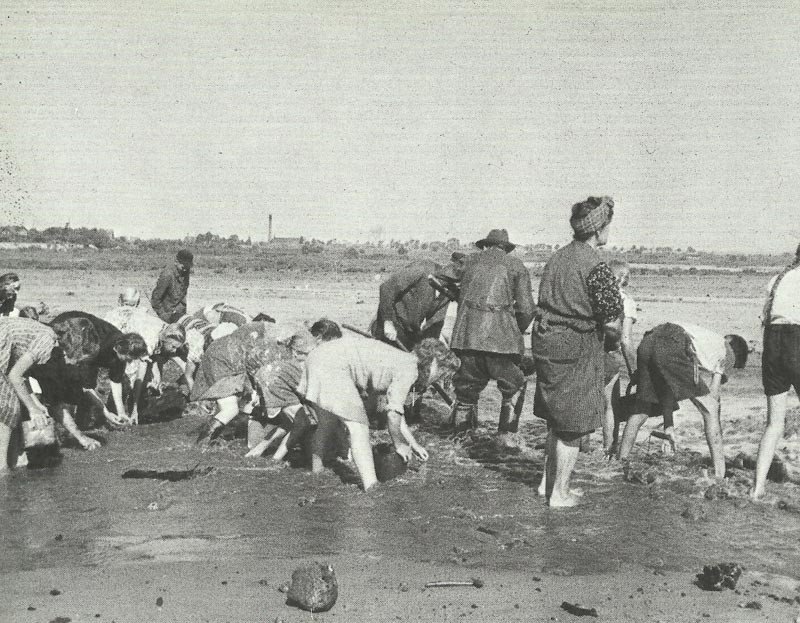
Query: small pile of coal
pixel 388 464
pixel 314 588
pixel 719 577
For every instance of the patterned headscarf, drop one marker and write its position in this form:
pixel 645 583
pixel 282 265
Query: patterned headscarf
pixel 592 215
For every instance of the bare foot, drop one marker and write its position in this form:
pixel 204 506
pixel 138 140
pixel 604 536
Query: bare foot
pixel 563 502
pixel 757 495
pixel 542 490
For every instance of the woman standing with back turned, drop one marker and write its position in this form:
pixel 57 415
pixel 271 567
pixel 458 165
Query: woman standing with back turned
pixel 579 301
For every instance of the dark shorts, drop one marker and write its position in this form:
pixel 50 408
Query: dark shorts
pixel 667 367
pixel 780 361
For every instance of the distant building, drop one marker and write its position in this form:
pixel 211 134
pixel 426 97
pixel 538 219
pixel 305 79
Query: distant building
pixel 287 243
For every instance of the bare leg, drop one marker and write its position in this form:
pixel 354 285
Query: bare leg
pixel 5 438
pixel 564 459
pixel 362 453
pixel 228 409
pixel 608 417
pixel 773 433
pixel 542 490
pixel 632 427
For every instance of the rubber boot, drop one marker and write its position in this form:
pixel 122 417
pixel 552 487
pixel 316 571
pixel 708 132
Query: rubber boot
pixel 506 412
pixel 463 416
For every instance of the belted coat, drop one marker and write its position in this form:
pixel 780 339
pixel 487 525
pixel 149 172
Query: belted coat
pixel 495 304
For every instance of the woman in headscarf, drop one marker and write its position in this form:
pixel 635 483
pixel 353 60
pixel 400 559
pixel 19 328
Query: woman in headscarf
pixel 23 343
pixel 235 366
pixel 579 302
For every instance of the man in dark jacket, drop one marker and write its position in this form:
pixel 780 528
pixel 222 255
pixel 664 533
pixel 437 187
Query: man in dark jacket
pixel 409 308
pixel 169 295
pixel 495 307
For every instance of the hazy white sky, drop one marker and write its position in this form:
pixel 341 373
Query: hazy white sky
pixel 404 120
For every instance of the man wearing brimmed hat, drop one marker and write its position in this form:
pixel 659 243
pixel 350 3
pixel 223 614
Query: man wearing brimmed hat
pixel 169 295
pixel 495 307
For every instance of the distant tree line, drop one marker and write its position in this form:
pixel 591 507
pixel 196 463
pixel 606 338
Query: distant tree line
pixel 214 244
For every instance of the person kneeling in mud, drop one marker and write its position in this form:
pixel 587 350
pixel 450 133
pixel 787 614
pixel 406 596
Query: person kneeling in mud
pixel 338 372
pixel 678 362
pixel 229 365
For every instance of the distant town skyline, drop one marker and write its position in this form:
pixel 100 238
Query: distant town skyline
pixel 387 121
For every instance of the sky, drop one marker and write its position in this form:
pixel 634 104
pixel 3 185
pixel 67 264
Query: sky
pixel 401 120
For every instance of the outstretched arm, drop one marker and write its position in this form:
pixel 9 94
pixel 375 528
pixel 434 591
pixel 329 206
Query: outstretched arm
pixel 711 409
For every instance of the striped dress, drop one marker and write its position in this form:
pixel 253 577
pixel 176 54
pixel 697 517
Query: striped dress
pixel 19 336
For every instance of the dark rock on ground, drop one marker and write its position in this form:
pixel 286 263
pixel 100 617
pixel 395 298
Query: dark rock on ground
pixel 314 588
pixel 719 577
pixel 579 611
pixel 388 464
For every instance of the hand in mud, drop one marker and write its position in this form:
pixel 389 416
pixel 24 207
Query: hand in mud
pixel 420 452
pixel 405 451
pixel 88 443
pixel 38 417
pixel 669 446
pixel 114 419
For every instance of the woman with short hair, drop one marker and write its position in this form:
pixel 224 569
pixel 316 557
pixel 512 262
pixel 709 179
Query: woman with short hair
pixel 339 371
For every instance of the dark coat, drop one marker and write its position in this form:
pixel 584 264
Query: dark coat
pixel 408 300
pixel 496 304
pixel 169 295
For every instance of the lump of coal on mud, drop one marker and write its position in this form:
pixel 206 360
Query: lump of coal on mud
pixel 314 587
pixel 388 464
pixel 639 476
pixel 719 577
pixel 716 492
pixel 578 611
pixel 694 513
pixel 44 457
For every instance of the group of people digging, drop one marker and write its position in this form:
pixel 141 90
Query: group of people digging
pixel 465 321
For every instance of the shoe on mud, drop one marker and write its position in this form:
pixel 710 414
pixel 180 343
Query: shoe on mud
pixel 208 432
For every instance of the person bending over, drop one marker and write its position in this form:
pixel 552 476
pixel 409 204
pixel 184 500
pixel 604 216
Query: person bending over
pixel 339 371
pixel 681 361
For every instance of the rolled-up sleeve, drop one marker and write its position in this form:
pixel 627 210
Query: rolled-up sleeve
pixel 402 380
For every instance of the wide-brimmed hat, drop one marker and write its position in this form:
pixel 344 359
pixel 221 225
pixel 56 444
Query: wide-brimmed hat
pixel 496 238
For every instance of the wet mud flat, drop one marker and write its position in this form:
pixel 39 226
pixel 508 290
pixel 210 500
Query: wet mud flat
pixel 217 546
pixel 80 541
